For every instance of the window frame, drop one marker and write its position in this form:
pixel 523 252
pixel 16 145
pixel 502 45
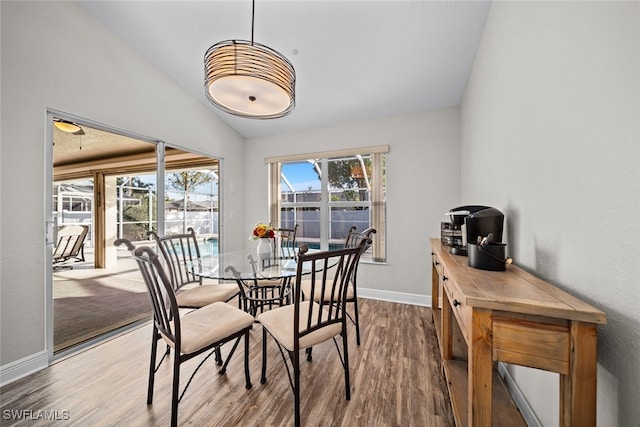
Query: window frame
pixel 376 204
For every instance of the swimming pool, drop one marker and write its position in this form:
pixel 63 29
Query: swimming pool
pixel 209 246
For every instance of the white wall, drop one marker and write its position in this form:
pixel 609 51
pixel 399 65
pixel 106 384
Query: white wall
pixel 422 183
pixel 56 55
pixel 550 131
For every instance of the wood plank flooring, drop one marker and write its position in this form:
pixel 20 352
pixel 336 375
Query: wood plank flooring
pixel 396 380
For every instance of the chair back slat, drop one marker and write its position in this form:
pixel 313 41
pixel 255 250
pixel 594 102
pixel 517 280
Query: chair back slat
pixel 160 297
pixel 347 241
pixel 286 242
pixel 354 238
pixel 179 251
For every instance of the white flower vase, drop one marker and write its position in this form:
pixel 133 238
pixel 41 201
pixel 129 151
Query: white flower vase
pixel 264 252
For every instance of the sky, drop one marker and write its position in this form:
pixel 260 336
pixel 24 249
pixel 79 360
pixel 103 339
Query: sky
pixel 301 176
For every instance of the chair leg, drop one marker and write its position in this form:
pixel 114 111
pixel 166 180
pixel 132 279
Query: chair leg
pixel 345 354
pixel 246 360
pixel 357 319
pixel 152 365
pixel 263 376
pixel 296 387
pixel 176 388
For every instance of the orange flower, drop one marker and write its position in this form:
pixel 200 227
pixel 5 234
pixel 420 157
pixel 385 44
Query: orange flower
pixel 262 230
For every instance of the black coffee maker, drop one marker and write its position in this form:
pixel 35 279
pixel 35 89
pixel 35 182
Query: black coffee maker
pixel 466 223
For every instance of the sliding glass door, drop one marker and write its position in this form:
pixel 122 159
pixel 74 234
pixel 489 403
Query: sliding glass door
pixel 191 201
pixel 115 185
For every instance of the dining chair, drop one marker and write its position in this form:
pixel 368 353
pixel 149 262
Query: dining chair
pixel 256 294
pixel 191 334
pixel 283 245
pixel 180 251
pixel 286 241
pixel 306 323
pixel 353 239
pixel 261 293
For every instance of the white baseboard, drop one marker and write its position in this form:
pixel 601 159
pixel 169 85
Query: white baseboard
pixel 525 409
pixel 21 368
pixel 400 297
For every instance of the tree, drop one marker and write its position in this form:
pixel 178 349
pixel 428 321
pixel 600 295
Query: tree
pixel 343 174
pixel 186 181
pixel 132 181
pixel 135 214
pixel 137 218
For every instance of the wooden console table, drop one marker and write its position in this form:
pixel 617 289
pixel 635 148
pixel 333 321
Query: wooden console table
pixel 513 317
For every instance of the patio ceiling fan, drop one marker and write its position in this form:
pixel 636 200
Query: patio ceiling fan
pixel 68 127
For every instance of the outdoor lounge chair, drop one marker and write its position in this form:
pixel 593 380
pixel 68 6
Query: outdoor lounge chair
pixel 70 244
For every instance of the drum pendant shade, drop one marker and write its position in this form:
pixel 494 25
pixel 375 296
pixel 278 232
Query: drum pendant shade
pixel 249 79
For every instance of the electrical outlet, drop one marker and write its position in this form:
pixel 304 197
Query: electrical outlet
pixel 232 214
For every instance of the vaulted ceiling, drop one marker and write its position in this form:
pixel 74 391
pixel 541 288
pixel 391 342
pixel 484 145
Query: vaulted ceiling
pixel 354 60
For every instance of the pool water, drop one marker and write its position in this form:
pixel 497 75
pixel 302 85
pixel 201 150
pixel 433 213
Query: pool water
pixel 209 247
pixel 316 245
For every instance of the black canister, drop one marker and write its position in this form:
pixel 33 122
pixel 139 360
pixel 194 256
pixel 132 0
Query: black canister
pixel 491 256
pixel 484 222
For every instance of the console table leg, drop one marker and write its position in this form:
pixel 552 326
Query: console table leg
pixel 446 319
pixel 435 288
pixel 480 370
pixel 578 389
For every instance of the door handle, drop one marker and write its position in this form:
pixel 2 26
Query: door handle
pixel 48 233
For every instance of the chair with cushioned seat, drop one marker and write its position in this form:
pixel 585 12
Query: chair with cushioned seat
pixel 261 293
pixel 353 239
pixel 198 331
pixel 306 323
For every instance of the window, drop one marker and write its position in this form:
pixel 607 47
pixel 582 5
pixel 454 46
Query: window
pixel 327 193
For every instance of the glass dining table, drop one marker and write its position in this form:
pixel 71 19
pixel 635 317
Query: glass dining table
pixel 262 283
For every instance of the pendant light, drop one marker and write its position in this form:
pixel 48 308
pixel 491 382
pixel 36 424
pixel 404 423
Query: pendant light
pixel 248 79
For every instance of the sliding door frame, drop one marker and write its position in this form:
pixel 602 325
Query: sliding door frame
pixel 160 150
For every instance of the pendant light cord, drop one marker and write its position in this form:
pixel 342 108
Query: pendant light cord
pixel 253 14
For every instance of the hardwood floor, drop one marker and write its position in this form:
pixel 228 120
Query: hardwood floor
pixel 396 380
